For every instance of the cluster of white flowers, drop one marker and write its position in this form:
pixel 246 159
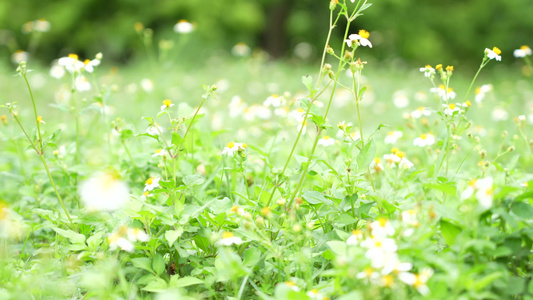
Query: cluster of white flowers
pixel 124 238
pixel 444 93
pixel 73 65
pixel 20 56
pixel 40 25
pixel 483 190
pixel 381 250
pixel 397 158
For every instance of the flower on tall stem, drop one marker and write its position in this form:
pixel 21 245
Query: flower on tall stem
pixel 359 39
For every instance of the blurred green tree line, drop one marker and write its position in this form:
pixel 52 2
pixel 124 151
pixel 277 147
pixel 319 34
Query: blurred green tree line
pixel 429 31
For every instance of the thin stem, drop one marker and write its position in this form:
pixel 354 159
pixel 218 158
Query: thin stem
pixel 26 134
pixel 35 113
pixel 55 188
pixel 483 63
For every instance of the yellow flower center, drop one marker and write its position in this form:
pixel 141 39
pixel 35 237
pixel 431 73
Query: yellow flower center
pixel 167 102
pixel 369 271
pixel 394 150
pixel 364 34
pixel 497 50
pixel 388 280
pixel 265 211
pixel 149 181
pixel 73 56
pixel 421 108
pixel 138 26
pixel 400 154
pixel 39 119
pixel 326 137
pixel 87 61
pixel 382 222
pixel 442 87
pixel 449 68
pixel 235 208
pixel 468 103
pixel 146 193
pixel 356 232
pixel 524 47
pixel 438 67
pixel 451 106
pixel 3 211
pixel 377 160
pixel 428 66
pixel 478 90
pixel 244 145
pixel 227 235
pixel 230 145
pixel 423 136
pixel 290 283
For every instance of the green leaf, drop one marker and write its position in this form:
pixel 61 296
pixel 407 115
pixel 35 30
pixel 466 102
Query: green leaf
pixel 156 285
pixel 344 220
pixel 158 264
pixel 177 140
pixel 177 282
pixel 338 247
pixel 142 263
pixel 449 231
pixel 523 210
pixel 172 235
pixel 314 197
pixel 307 80
pixel 192 180
pixel 365 156
pixel 125 134
pixel 447 188
pixel 72 236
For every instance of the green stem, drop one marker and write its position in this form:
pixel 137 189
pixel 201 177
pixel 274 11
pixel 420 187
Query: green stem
pixel 55 188
pixel 483 63
pixel 35 113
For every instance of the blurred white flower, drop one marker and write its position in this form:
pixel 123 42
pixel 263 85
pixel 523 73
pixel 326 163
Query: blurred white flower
pixel 147 85
pixel 424 140
pixel 20 56
pixel 419 112
pixel 82 84
pixel 104 192
pixel 393 136
pixel 418 281
pixel 483 189
pixel 326 141
pixel 428 71
pixel 241 49
pixel 233 147
pixel 136 234
pixel 452 108
pixel 355 238
pixel 90 64
pixel 499 114
pixel 57 71
pixel 381 228
pixel 400 99
pixel 71 63
pixel 167 103
pixel 482 91
pixel 228 239
pixel 359 39
pixel 523 51
pixel 151 183
pixel 183 27
pixel 41 25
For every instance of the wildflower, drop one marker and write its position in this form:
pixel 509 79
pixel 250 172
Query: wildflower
pixel 151 183
pixel 240 49
pixel 381 228
pixel 154 129
pixel 326 141
pixel 343 126
pixel 405 164
pixel 136 234
pixel 523 51
pixel 376 165
pixel 233 147
pixel 368 273
pixel 274 100
pixel 481 91
pixel 292 285
pixel 314 294
pixel 428 71
pixel 355 238
pixel 452 108
pixel 104 192
pixel 379 250
pixel 228 239
pixel 419 112
pixel 147 85
pixel 183 27
pixel 425 139
pixel 444 94
pixel 360 39
pixel 418 281
pixel 239 211
pixel 483 189
pixel 499 114
pixel 166 104
pixel 71 63
pixel 82 84
pixel 494 53
pixel 159 152
pixel 57 71
pixel 116 240
pixel 266 212
pixel 393 136
pixel 90 64
pixel 20 56
pixel 41 25
pixel 400 99
pixel 409 218
pixel 12 225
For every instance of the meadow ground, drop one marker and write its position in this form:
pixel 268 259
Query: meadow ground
pixel 237 177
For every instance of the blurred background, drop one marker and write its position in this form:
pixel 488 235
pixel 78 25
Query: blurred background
pixel 411 32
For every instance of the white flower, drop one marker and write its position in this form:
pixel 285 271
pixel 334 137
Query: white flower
pixel 71 63
pixel 355 238
pixel 90 64
pixel 57 71
pixel 419 112
pixel 118 241
pixel 376 165
pixel 452 108
pixel 167 103
pixel 104 192
pixel 241 49
pixel 326 141
pixel 154 129
pixel 274 100
pixel 147 85
pixel 159 152
pixel 409 218
pixel 424 140
pixel 20 56
pixel 41 25
pixel 314 294
pixel 183 27
pixel 136 234
pixel 393 136
pixel 151 183
pixel 428 71
pixel 522 51
pixel 444 94
pixel 368 273
pixel 380 250
pixel 499 114
pixel 494 53
pixel 359 39
pixel 400 99
pixel 405 164
pixel 228 239
pixel 483 189
pixel 82 84
pixel 233 147
pixel 418 281
pixel 482 91
pixel 381 228
pixel 292 285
